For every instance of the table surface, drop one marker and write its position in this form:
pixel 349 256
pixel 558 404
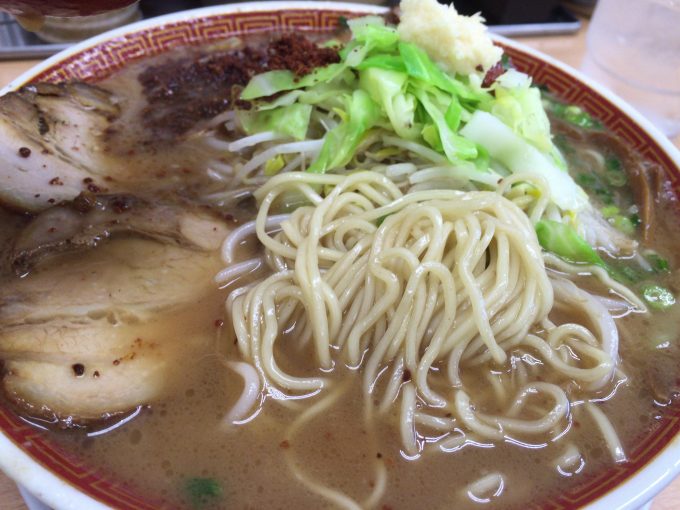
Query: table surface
pixel 567 48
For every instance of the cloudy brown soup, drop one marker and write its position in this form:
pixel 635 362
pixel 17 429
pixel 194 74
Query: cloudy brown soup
pixel 115 288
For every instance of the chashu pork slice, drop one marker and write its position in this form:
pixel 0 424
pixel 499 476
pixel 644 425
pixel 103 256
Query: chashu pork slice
pixel 60 140
pixel 61 375
pixel 95 334
pixel 50 143
pixel 90 220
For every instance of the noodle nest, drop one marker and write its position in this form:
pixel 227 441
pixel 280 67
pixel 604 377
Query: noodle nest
pixel 436 296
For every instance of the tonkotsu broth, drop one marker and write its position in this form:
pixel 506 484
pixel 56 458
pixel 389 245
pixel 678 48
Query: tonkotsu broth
pixel 184 435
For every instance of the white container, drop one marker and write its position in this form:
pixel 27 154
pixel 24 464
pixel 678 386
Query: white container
pixel 633 47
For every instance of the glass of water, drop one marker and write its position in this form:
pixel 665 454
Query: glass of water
pixel 633 47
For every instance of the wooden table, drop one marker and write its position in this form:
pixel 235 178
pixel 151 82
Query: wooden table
pixel 569 49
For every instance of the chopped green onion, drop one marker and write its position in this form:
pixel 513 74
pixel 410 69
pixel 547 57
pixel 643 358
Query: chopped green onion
pixel 623 224
pixel 592 182
pixel 202 491
pixel 586 180
pixel 658 263
pixel 658 297
pixel 610 211
pixel 663 341
pixel 616 178
pixel 613 163
pixel 626 274
pixel 572 114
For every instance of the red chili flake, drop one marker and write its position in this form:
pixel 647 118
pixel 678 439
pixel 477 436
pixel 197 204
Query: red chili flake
pixel 51 200
pixel 406 377
pixel 78 369
pixel 378 455
pixel 116 362
pixel 120 205
pixel 93 188
pixel 493 73
pixel 391 17
pixel 56 182
pixel 24 152
pixel 284 444
pixel 219 323
pixel 96 374
pixel 88 180
pixel 52 229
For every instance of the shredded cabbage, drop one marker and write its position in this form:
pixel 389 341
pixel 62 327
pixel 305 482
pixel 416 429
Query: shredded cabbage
pixel 519 105
pixel 387 83
pixel 387 88
pixel 506 146
pixel 290 120
pixel 341 142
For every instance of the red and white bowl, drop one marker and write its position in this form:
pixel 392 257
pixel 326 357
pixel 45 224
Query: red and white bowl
pixel 65 482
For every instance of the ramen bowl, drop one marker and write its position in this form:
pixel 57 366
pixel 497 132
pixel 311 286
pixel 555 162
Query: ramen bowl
pixel 64 481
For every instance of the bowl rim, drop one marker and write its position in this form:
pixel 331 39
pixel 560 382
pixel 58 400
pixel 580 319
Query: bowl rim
pixel 632 493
